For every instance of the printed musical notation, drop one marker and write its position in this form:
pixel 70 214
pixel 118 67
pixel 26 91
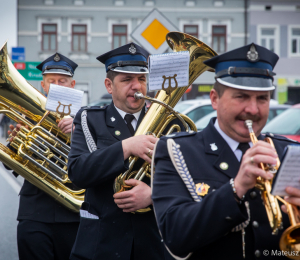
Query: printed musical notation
pixel 289 172
pixel 169 64
pixel 63 97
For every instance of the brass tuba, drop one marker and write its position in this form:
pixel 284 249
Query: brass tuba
pixel 42 150
pixel 161 112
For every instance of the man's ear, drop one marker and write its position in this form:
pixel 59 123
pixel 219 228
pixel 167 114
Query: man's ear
pixel 43 86
pixel 73 83
pixel 214 97
pixel 108 84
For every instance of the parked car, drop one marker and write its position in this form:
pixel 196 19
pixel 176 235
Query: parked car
pixel 275 109
pixel 286 124
pixel 100 102
pixel 194 109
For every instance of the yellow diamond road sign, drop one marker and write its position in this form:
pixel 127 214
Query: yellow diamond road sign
pixel 151 32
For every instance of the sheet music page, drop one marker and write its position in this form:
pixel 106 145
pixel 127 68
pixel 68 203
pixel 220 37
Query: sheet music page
pixel 65 96
pixel 169 64
pixel 289 172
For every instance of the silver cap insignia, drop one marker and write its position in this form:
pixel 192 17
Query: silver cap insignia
pixel 252 54
pixel 132 49
pixel 56 57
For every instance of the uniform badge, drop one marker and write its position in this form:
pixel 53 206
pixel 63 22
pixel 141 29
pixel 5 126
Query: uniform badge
pixel 213 147
pixel 202 189
pixel 132 49
pixel 252 54
pixel 117 132
pixel 56 57
pixel 224 166
pixel 112 119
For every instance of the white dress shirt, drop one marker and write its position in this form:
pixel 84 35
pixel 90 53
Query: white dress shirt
pixel 134 121
pixel 232 143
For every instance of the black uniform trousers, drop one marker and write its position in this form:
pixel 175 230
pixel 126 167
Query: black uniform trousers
pixel 205 228
pixel 110 233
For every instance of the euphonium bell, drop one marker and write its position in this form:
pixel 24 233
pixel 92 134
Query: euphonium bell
pixel 161 112
pixel 41 156
pixel 265 186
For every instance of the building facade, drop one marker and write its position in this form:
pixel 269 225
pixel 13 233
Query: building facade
pixel 85 29
pixel 276 26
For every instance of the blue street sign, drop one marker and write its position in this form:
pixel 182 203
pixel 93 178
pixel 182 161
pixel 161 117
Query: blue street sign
pixel 18 53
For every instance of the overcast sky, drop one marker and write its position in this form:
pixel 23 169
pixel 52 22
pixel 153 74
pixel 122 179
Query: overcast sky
pixel 8 23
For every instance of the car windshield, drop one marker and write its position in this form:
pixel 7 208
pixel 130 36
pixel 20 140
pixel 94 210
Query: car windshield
pixel 180 107
pixel 203 122
pixel 287 123
pixel 199 112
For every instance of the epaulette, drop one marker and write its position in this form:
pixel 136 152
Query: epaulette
pixel 280 137
pixel 180 134
pixel 93 107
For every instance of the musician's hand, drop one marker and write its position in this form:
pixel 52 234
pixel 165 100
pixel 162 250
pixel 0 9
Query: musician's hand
pixel 14 130
pixel 138 197
pixel 65 125
pixel 249 170
pixel 141 146
pixel 293 198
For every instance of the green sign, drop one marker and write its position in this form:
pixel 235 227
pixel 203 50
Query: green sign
pixel 28 70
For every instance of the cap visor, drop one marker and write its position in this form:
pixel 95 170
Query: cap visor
pixel 247 83
pixel 58 71
pixel 131 69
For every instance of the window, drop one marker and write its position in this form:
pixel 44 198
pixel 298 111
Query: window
pixel 79 38
pixel 119 35
pixel 49 37
pixel 191 30
pixel 268 38
pixel 295 41
pixel 219 38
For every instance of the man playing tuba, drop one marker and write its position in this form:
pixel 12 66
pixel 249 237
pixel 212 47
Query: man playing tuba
pixel 229 221
pixel 46 229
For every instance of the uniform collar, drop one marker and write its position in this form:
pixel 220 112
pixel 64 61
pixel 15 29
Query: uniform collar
pixel 123 113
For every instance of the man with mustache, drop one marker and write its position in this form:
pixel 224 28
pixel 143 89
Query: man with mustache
pixel 223 216
pixel 101 145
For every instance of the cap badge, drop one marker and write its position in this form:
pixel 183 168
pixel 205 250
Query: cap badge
pixel 202 189
pixel 252 54
pixel 56 57
pixel 132 49
pixel 213 147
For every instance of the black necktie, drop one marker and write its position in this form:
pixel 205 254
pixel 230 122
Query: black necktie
pixel 243 147
pixel 128 118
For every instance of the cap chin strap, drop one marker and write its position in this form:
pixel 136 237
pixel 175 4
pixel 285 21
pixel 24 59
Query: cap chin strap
pixel 50 67
pixel 121 63
pixel 248 71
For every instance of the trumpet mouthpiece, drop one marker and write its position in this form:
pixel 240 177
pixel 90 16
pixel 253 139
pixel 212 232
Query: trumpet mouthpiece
pixel 248 123
pixel 138 95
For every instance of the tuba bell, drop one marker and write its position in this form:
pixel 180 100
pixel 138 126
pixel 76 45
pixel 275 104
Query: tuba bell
pixel 161 112
pixel 41 150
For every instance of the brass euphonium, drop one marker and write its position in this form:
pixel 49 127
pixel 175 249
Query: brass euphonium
pixel 161 112
pixel 265 186
pixel 41 156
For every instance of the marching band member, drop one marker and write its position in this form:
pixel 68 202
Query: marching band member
pixel 230 220
pixel 46 229
pixel 101 145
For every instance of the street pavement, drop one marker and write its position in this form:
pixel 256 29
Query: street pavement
pixel 9 204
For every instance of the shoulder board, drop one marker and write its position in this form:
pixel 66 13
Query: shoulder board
pixel 180 134
pixel 279 137
pixel 93 107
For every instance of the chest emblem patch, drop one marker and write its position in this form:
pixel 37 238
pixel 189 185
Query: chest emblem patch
pixel 202 188
pixel 213 147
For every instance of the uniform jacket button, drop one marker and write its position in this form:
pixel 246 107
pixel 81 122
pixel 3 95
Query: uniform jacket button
pixel 255 224
pixel 257 253
pixel 228 218
pixel 253 195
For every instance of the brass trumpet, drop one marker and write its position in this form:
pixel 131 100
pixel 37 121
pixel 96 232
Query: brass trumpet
pixel 265 186
pixel 161 112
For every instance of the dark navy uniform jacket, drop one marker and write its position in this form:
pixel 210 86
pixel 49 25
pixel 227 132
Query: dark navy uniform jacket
pixel 205 227
pixel 115 233
pixel 36 205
